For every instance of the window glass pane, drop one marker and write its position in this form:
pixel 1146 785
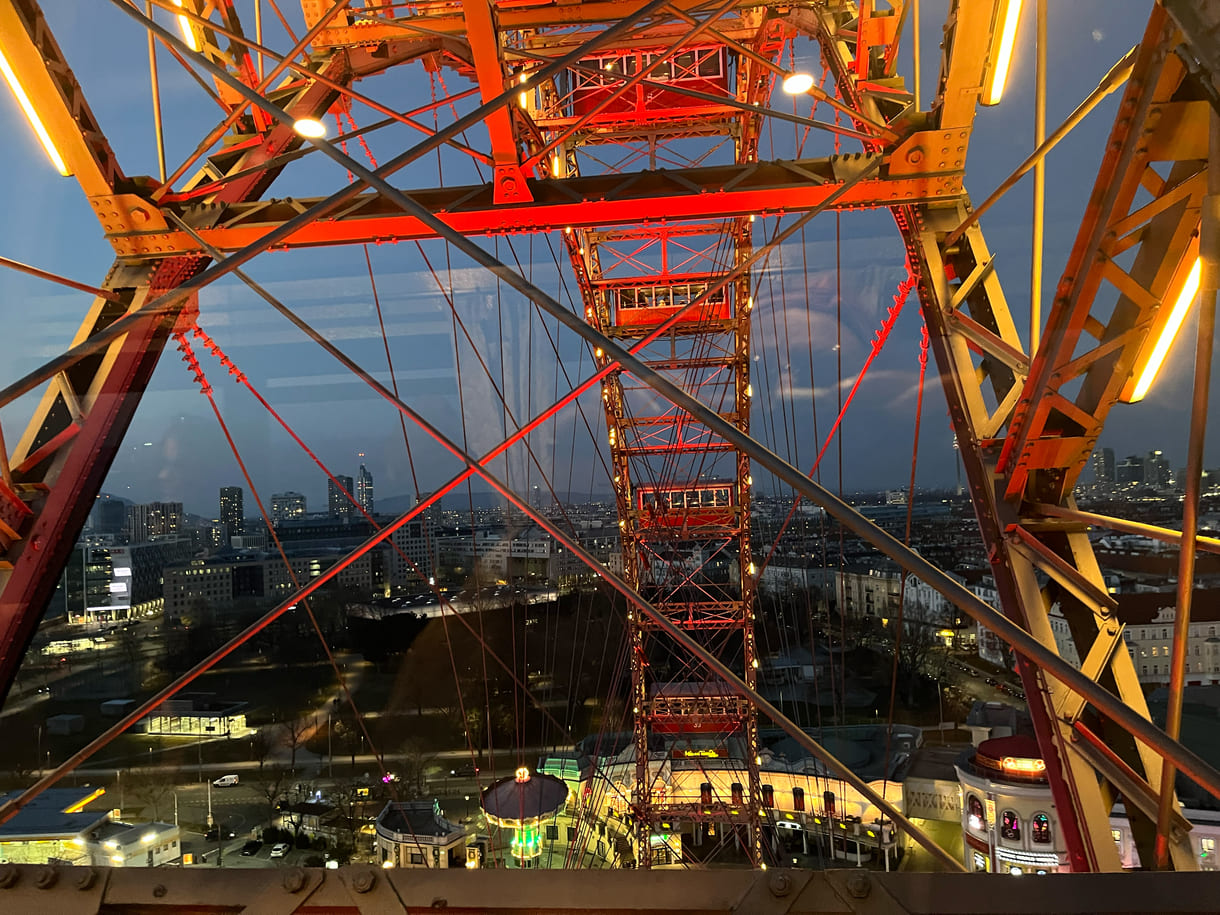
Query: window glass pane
pixel 1010 826
pixel 1042 829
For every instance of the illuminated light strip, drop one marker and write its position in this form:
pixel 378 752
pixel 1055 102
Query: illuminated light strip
pixel 1008 38
pixel 1040 859
pixel 32 116
pixel 184 26
pixel 1023 764
pixel 1185 299
pixel 83 802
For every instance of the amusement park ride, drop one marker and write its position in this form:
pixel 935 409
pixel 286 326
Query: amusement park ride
pixel 579 103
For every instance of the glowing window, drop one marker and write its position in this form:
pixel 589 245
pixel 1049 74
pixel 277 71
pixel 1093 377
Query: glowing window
pixel 976 819
pixel 1042 829
pixel 1010 825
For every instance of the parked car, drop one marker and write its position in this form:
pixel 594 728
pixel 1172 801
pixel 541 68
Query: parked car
pixel 279 849
pixel 251 848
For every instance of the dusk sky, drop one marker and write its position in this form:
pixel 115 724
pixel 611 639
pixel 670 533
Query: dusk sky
pixel 175 451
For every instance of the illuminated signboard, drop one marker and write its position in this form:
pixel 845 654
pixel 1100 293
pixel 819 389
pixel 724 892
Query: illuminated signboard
pixel 717 753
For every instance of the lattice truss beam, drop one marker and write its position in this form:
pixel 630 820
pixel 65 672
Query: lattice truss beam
pixel 683 492
pixel 1026 429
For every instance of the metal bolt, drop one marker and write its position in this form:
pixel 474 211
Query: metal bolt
pixel 362 881
pixel 8 876
pixel 294 880
pixel 780 884
pixel 858 884
pixel 86 879
pixel 46 878
pixel 159 890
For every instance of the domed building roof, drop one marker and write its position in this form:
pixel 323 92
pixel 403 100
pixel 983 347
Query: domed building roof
pixel 522 798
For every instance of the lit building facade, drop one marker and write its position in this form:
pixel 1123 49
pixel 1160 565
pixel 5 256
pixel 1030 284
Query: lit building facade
pixel 133 845
pixel 52 828
pixel 1008 815
pixel 416 834
pixel 364 489
pixel 1009 825
pixel 104 583
pixel 224 581
pixel 232 511
pixel 286 506
pixel 337 504
pixel 1149 636
pixel 197 715
pixel 155 519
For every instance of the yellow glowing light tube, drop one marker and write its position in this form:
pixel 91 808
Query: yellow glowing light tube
pixel 31 115
pixel 1181 305
pixel 1000 57
pixel 186 28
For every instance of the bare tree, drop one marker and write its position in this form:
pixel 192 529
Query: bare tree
pixel 293 811
pixel 271 784
pixel 154 788
pixel 414 761
pixel 351 798
pixel 294 735
pixel 918 651
pixel 130 651
pixel 261 745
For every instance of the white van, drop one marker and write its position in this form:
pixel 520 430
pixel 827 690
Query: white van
pixel 226 781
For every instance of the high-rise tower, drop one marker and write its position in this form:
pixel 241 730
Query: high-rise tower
pixel 364 489
pixel 231 511
pixel 337 504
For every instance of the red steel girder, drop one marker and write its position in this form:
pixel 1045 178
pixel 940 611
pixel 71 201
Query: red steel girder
pixel 511 16
pixel 62 465
pixel 661 196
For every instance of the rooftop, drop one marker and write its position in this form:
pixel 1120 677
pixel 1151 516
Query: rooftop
pixel 47 816
pixel 417 818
